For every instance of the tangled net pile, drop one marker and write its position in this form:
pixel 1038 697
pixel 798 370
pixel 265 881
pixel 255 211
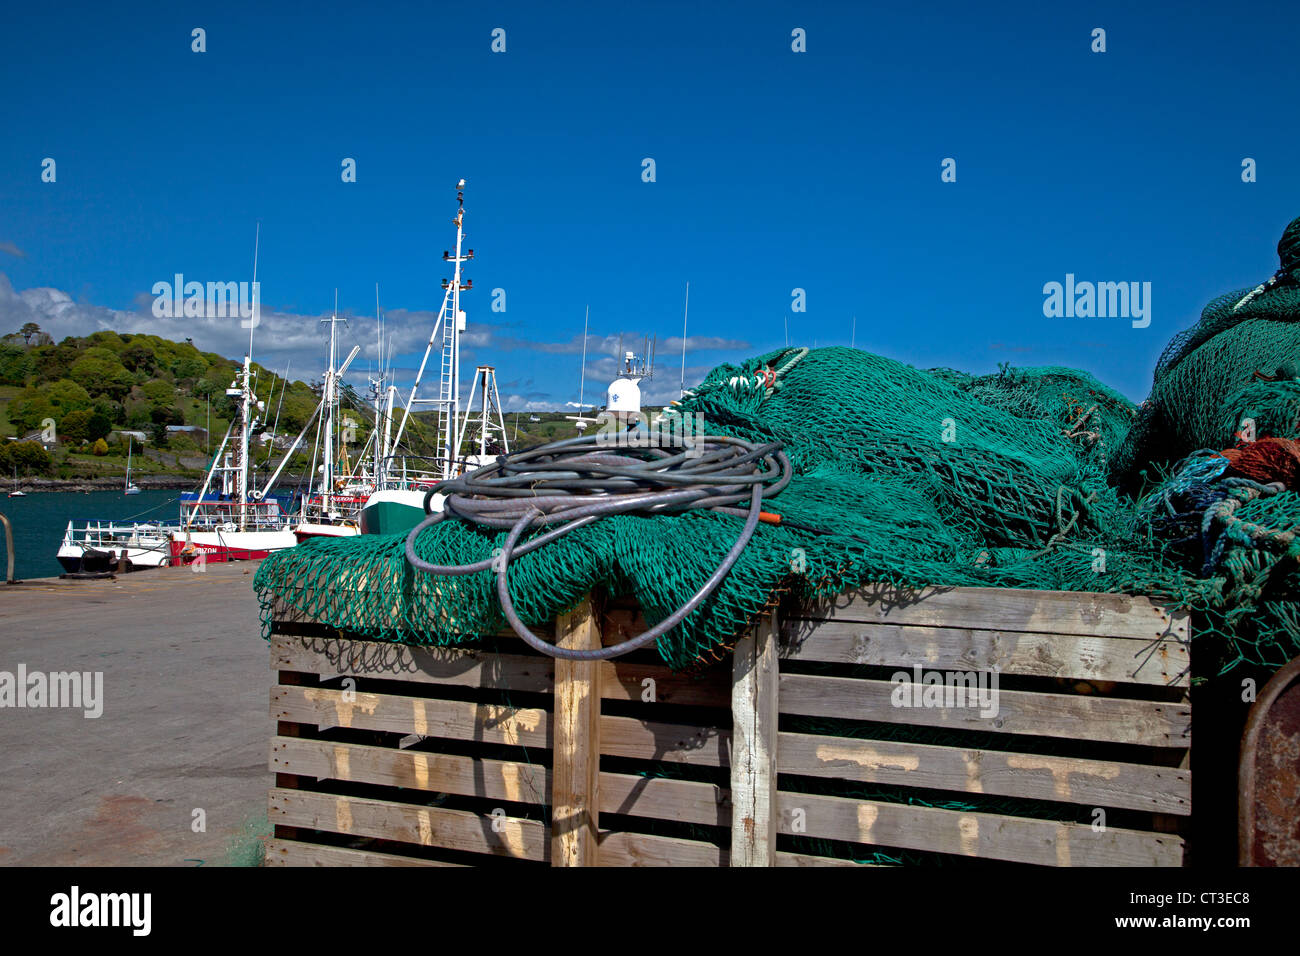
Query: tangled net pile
pixel 1029 478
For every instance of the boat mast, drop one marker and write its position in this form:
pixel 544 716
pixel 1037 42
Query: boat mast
pixel 685 315
pixel 377 393
pixel 451 321
pixel 329 400
pixel 247 400
pixel 484 387
pixel 582 374
pixel 452 327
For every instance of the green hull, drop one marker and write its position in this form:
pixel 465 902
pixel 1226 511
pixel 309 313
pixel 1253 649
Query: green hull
pixel 389 517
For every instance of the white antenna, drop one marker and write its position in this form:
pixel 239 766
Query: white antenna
pixel 257 239
pixel 685 314
pixel 582 381
pixel 787 331
pixel 853 342
pixel 377 392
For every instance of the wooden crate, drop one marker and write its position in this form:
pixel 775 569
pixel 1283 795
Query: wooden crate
pixel 504 756
pixel 454 757
pixel 1085 761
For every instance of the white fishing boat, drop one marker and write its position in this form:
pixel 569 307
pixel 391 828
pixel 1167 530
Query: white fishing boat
pixel 228 519
pixel 99 546
pixel 16 492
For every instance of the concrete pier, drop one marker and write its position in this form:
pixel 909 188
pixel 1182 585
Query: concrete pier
pixel 184 727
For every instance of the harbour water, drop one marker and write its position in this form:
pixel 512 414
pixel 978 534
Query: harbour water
pixel 39 520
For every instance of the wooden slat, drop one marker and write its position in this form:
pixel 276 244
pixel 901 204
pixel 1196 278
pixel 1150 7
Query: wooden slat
pixel 287 610
pixel 683 801
pixel 1006 609
pixel 807 859
pixel 754 755
pixel 575 777
pixel 423 665
pixel 985 835
pixel 459 720
pixel 413 769
pixel 407 823
pixel 678 743
pixel 1090 783
pixel 1117 720
pixel 642 849
pixel 623 680
pixel 1013 652
pixel 293 853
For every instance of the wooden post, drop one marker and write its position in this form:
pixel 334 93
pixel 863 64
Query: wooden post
pixel 575 822
pixel 9 548
pixel 288 728
pixel 754 712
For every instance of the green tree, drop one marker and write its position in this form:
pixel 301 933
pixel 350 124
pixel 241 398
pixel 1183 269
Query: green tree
pixel 139 417
pixel 73 427
pixel 138 357
pixel 159 393
pixel 84 425
pixel 66 395
pixel 109 409
pixel 15 365
pixel 107 341
pixel 101 448
pixel 28 331
pixel 100 375
pixel 30 457
pixel 54 361
pixel 30 409
pixel 189 366
pixel 166 415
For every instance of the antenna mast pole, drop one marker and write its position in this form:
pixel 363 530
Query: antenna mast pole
pixel 377 388
pixel 685 315
pixel 329 401
pixel 453 326
pixel 582 378
pixel 246 397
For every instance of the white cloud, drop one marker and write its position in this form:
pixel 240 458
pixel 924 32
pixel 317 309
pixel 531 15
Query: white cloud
pixel 300 341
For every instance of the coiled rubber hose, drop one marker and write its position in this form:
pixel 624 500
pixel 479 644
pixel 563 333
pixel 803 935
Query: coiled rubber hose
pixel 574 482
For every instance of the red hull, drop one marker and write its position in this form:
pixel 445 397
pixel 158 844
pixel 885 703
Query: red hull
pixel 209 552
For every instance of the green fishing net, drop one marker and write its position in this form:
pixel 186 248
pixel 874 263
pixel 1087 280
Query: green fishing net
pixel 1028 478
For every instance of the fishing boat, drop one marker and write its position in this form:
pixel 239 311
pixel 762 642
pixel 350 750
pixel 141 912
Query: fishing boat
pixel 402 481
pixel 99 545
pixel 228 519
pixel 332 509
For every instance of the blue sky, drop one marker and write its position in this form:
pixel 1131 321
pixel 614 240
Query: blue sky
pixel 775 170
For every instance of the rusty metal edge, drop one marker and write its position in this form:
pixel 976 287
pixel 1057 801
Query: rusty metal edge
pixel 1246 765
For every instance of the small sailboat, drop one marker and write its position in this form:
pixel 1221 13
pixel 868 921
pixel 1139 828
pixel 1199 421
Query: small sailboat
pixel 129 488
pixel 17 492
